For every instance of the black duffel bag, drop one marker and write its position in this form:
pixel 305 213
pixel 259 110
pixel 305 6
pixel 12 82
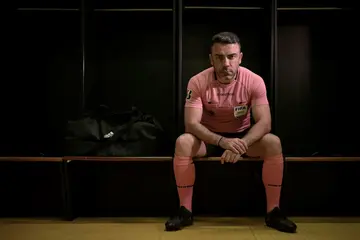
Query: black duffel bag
pixel 103 132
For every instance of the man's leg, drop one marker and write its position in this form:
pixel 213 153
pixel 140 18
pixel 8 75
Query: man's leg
pixel 269 148
pixel 187 146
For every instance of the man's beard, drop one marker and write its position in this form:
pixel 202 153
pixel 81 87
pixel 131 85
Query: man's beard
pixel 227 75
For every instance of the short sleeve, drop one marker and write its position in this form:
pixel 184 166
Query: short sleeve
pixel 258 93
pixel 193 96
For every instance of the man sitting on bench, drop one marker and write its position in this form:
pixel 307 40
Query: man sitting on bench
pixel 217 122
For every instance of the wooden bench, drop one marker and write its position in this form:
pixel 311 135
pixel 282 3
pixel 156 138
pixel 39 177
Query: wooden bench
pixel 66 160
pixel 322 159
pixel 31 159
pixel 168 158
pixel 108 171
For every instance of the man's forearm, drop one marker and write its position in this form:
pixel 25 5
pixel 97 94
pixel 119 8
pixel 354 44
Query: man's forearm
pixel 203 133
pixel 256 132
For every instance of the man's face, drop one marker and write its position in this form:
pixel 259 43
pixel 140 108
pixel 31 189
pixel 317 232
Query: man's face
pixel 225 58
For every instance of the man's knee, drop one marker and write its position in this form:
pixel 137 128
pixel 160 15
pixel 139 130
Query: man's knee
pixel 187 144
pixel 272 143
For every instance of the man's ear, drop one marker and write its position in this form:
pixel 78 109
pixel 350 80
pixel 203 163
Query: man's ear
pixel 240 57
pixel 211 61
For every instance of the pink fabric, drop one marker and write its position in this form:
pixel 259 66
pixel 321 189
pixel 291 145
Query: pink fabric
pixel 226 107
pixel 272 176
pixel 184 170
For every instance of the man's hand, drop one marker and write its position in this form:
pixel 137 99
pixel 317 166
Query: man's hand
pixel 230 157
pixel 235 145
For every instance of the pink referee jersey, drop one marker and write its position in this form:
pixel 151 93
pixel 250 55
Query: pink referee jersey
pixel 226 107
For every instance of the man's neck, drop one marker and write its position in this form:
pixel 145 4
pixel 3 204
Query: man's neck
pixel 224 80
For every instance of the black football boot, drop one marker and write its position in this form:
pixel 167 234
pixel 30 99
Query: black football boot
pixel 183 219
pixel 277 220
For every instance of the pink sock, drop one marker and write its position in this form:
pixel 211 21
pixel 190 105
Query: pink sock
pixel 184 170
pixel 272 175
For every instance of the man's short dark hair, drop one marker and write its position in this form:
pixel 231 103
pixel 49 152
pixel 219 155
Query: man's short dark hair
pixel 225 38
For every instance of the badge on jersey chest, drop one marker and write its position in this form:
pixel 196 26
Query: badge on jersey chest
pixel 240 111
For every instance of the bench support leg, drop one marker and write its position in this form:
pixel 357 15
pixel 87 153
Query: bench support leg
pixel 67 203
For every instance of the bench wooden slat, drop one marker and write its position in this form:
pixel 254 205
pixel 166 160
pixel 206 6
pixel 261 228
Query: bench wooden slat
pixel 150 159
pixel 294 159
pixel 204 159
pixel 117 159
pixel 166 158
pixel 322 159
pixel 30 159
